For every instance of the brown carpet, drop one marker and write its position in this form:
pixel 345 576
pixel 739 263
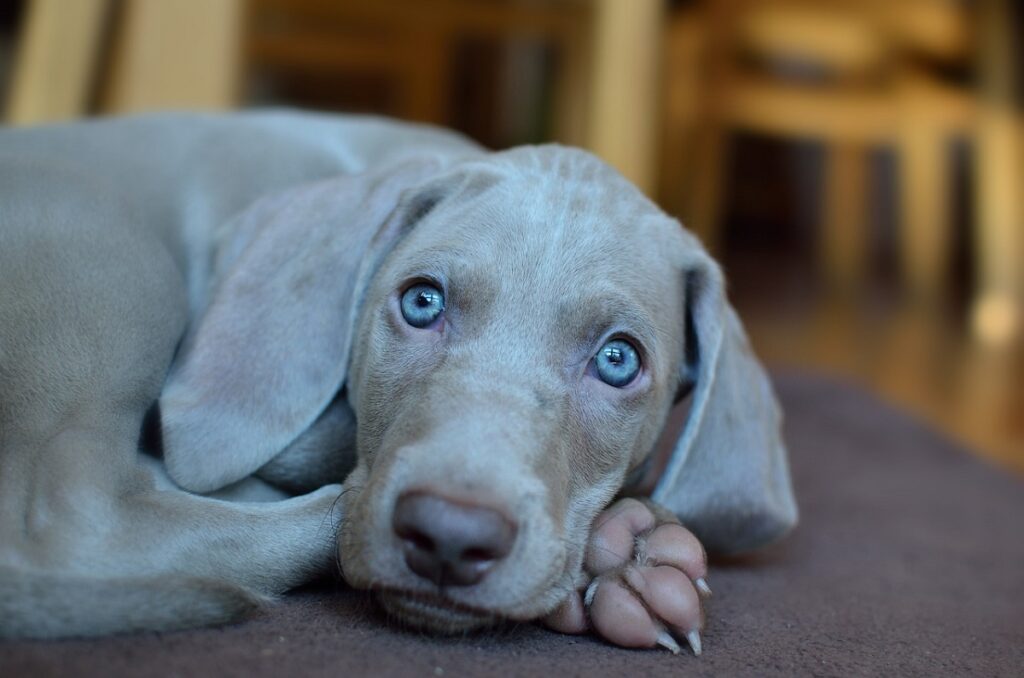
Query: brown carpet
pixel 909 561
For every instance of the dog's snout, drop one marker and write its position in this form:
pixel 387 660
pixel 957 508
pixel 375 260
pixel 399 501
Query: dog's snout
pixel 449 542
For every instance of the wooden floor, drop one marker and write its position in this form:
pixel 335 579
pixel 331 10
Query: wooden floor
pixel 920 360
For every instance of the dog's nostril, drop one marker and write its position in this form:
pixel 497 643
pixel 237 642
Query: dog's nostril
pixel 478 555
pixel 449 542
pixel 418 540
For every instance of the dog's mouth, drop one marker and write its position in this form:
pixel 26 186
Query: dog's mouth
pixel 432 612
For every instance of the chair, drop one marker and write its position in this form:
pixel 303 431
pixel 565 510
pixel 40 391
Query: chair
pixel 851 75
pixel 133 55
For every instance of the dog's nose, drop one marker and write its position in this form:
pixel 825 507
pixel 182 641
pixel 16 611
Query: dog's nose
pixel 448 542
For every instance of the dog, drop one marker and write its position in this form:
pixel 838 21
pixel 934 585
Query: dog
pixel 239 349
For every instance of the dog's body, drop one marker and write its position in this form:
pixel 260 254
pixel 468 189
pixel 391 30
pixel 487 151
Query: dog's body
pixel 253 273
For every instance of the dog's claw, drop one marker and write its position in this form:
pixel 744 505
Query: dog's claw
pixel 669 643
pixel 588 596
pixel 702 587
pixel 693 638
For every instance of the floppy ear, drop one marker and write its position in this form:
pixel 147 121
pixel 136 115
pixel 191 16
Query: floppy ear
pixel 271 348
pixel 728 478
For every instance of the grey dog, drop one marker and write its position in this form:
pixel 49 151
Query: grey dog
pixel 238 349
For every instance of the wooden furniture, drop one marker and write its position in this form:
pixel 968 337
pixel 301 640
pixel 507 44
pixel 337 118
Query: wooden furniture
pixel 184 53
pixel 624 97
pixel 854 76
pixel 194 54
pixel 59 50
pixel 825 71
pixel 606 75
pixel 998 312
pixel 407 58
pixel 122 57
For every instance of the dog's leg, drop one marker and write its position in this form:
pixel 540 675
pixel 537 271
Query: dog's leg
pixel 324 453
pixel 91 309
pixel 644 576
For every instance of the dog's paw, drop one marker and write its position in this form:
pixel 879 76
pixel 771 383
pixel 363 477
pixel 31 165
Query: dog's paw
pixel 644 581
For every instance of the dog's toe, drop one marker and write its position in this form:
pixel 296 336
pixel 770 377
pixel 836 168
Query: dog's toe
pixel 613 537
pixel 569 617
pixel 648 578
pixel 672 544
pixel 640 606
pixel 619 616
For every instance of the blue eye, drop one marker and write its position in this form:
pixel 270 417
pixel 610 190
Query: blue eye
pixel 422 304
pixel 617 363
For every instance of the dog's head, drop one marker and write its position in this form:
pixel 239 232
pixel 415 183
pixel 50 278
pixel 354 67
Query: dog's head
pixel 512 332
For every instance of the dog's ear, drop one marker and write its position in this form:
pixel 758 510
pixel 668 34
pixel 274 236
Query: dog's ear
pixel 271 347
pixel 728 477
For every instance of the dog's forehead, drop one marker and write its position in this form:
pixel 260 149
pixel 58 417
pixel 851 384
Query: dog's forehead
pixel 565 217
pixel 552 209
pixel 575 184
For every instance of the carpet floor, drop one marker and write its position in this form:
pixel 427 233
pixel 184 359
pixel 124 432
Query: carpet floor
pixel 909 560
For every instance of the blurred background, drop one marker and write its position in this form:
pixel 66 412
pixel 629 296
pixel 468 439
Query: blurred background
pixel 856 165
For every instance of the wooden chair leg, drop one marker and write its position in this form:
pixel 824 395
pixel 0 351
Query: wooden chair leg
pixel 998 307
pixel 709 173
pixel 844 236
pixel 683 101
pixel 180 54
pixel 624 89
pixel 924 181
pixel 426 89
pixel 674 168
pixel 572 89
pixel 58 54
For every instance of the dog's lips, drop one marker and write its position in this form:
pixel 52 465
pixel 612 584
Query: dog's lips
pixel 434 612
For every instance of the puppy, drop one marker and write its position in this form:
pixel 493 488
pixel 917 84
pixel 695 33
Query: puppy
pixel 482 347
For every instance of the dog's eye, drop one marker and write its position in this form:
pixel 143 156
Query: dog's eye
pixel 617 363
pixel 422 304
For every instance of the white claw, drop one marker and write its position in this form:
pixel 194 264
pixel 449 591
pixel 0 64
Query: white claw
pixel 669 643
pixel 703 587
pixel 693 638
pixel 588 596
